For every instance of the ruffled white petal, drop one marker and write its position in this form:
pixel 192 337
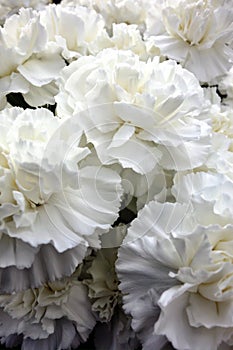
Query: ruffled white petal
pixel 129 108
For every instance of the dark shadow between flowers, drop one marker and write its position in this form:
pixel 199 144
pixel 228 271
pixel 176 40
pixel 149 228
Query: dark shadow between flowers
pixel 17 100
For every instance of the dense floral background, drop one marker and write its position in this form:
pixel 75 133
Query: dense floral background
pixel 116 174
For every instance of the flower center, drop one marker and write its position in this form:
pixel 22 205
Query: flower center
pixel 34 205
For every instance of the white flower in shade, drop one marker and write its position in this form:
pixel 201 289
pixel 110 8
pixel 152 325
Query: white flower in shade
pixel 103 284
pixel 31 64
pixel 198 34
pixel 136 113
pixel 47 198
pixel 10 7
pixel 105 296
pixel 74 29
pixel 56 316
pixel 168 274
pixel 102 281
pixel 144 188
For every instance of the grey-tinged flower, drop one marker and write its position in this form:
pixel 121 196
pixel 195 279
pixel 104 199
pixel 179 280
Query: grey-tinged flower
pixel 55 316
pixel 177 282
pixel 102 280
pixel 113 330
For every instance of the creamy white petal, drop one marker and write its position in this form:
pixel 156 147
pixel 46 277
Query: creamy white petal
pixel 183 336
pixel 202 312
pixel 42 69
pixel 116 96
pixel 196 34
pixel 37 96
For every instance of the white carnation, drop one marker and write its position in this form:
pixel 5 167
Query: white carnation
pixel 10 7
pixel 124 37
pixel 144 188
pixel 221 156
pixel 102 281
pixel 47 198
pixel 74 29
pixel 103 284
pixel 106 298
pixel 198 34
pixel 139 114
pixel 168 274
pixel 210 195
pixel 115 11
pixel 31 64
pixel 57 314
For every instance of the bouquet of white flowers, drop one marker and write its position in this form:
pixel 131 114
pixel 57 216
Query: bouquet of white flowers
pixel 116 174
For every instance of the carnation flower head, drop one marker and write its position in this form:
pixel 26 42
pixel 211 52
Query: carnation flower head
pixel 102 281
pixel 47 198
pixel 209 193
pixel 115 11
pixel 197 34
pixel 221 155
pixel 57 314
pixel 11 7
pixel 74 29
pixel 103 284
pixel 31 63
pixel 137 113
pixel 124 37
pixel 106 299
pixel 168 272
pixel 140 189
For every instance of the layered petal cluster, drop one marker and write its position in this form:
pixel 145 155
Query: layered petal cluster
pixel 210 195
pixel 115 11
pixel 141 189
pixel 49 203
pixel 10 7
pixel 220 158
pixel 102 281
pixel 124 37
pixel 55 316
pixel 74 29
pixel 102 286
pixel 168 274
pixel 198 34
pixel 31 64
pixel 139 114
